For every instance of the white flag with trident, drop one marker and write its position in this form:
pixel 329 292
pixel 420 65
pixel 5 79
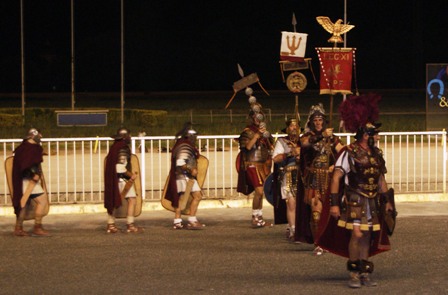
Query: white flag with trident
pixel 293 46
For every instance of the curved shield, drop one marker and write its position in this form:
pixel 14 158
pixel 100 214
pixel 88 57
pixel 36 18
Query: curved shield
pixel 268 189
pixel 202 170
pixel 31 205
pixel 202 174
pixel 122 211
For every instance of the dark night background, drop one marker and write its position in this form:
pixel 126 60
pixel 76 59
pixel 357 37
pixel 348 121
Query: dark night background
pixel 196 45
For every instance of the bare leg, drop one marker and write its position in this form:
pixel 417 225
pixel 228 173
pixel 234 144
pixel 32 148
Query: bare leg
pixel 18 231
pixel 131 228
pixel 316 209
pixel 177 218
pixel 257 206
pixel 197 196
pixel 291 211
pixel 366 266
pixel 257 202
pixel 354 257
pixel 111 228
pixel 132 202
pixel 193 222
pixel 364 246
pixel 354 245
pixel 41 203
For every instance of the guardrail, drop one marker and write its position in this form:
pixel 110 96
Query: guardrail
pixel 73 167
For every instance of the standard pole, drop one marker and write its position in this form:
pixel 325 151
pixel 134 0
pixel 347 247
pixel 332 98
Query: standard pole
pixel 345 21
pixel 122 62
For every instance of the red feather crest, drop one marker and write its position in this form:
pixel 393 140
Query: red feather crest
pixel 357 111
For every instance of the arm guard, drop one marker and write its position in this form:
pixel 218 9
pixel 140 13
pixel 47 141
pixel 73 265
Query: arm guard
pixel 335 199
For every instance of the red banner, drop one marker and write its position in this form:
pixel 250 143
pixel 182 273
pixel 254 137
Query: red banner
pixel 336 70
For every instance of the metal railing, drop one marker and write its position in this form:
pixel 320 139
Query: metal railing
pixel 73 167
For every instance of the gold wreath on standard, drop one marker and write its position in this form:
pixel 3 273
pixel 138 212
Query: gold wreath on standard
pixel 296 82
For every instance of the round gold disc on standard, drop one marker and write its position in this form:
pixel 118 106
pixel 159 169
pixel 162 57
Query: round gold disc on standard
pixel 296 82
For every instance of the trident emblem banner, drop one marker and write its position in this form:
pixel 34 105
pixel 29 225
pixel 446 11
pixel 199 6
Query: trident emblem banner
pixel 336 69
pixel 293 46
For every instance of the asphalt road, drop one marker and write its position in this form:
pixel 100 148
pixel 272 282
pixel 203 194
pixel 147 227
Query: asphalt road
pixel 227 257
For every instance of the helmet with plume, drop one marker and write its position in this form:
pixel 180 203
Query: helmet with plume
pixel 359 113
pixel 315 112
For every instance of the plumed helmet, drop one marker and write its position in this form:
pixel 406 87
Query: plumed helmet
pixel 360 113
pixel 316 111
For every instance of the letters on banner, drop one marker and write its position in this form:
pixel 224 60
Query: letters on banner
pixel 293 46
pixel 336 66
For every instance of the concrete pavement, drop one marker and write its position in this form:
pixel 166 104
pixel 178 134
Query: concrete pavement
pixel 227 257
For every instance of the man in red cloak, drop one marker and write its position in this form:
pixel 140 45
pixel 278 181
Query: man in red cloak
pixel 27 179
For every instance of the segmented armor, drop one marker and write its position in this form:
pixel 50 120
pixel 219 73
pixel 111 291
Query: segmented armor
pixel 363 171
pixel 318 156
pixel 260 152
pixel 186 155
pixel 370 167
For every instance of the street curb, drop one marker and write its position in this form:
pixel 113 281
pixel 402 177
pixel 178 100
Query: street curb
pixel 206 204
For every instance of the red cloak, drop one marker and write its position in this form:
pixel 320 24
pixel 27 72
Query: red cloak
pixel 26 155
pixel 112 197
pixel 171 193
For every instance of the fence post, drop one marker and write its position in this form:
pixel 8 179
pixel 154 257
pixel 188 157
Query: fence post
pixel 445 160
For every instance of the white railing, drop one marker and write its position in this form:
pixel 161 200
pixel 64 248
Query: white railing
pixel 73 167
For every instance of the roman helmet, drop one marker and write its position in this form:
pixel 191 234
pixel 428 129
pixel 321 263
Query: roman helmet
pixel 34 134
pixel 360 113
pixel 316 111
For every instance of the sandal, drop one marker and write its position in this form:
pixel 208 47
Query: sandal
pixel 39 231
pixel 134 229
pixel 19 232
pixel 258 222
pixel 111 228
pixel 178 225
pixel 195 225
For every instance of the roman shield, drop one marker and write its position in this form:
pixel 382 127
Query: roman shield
pixel 122 211
pixel 30 206
pixel 268 188
pixel 202 174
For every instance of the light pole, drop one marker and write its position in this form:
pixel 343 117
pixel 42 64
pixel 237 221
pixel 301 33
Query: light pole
pixel 72 33
pixel 122 61
pixel 22 58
